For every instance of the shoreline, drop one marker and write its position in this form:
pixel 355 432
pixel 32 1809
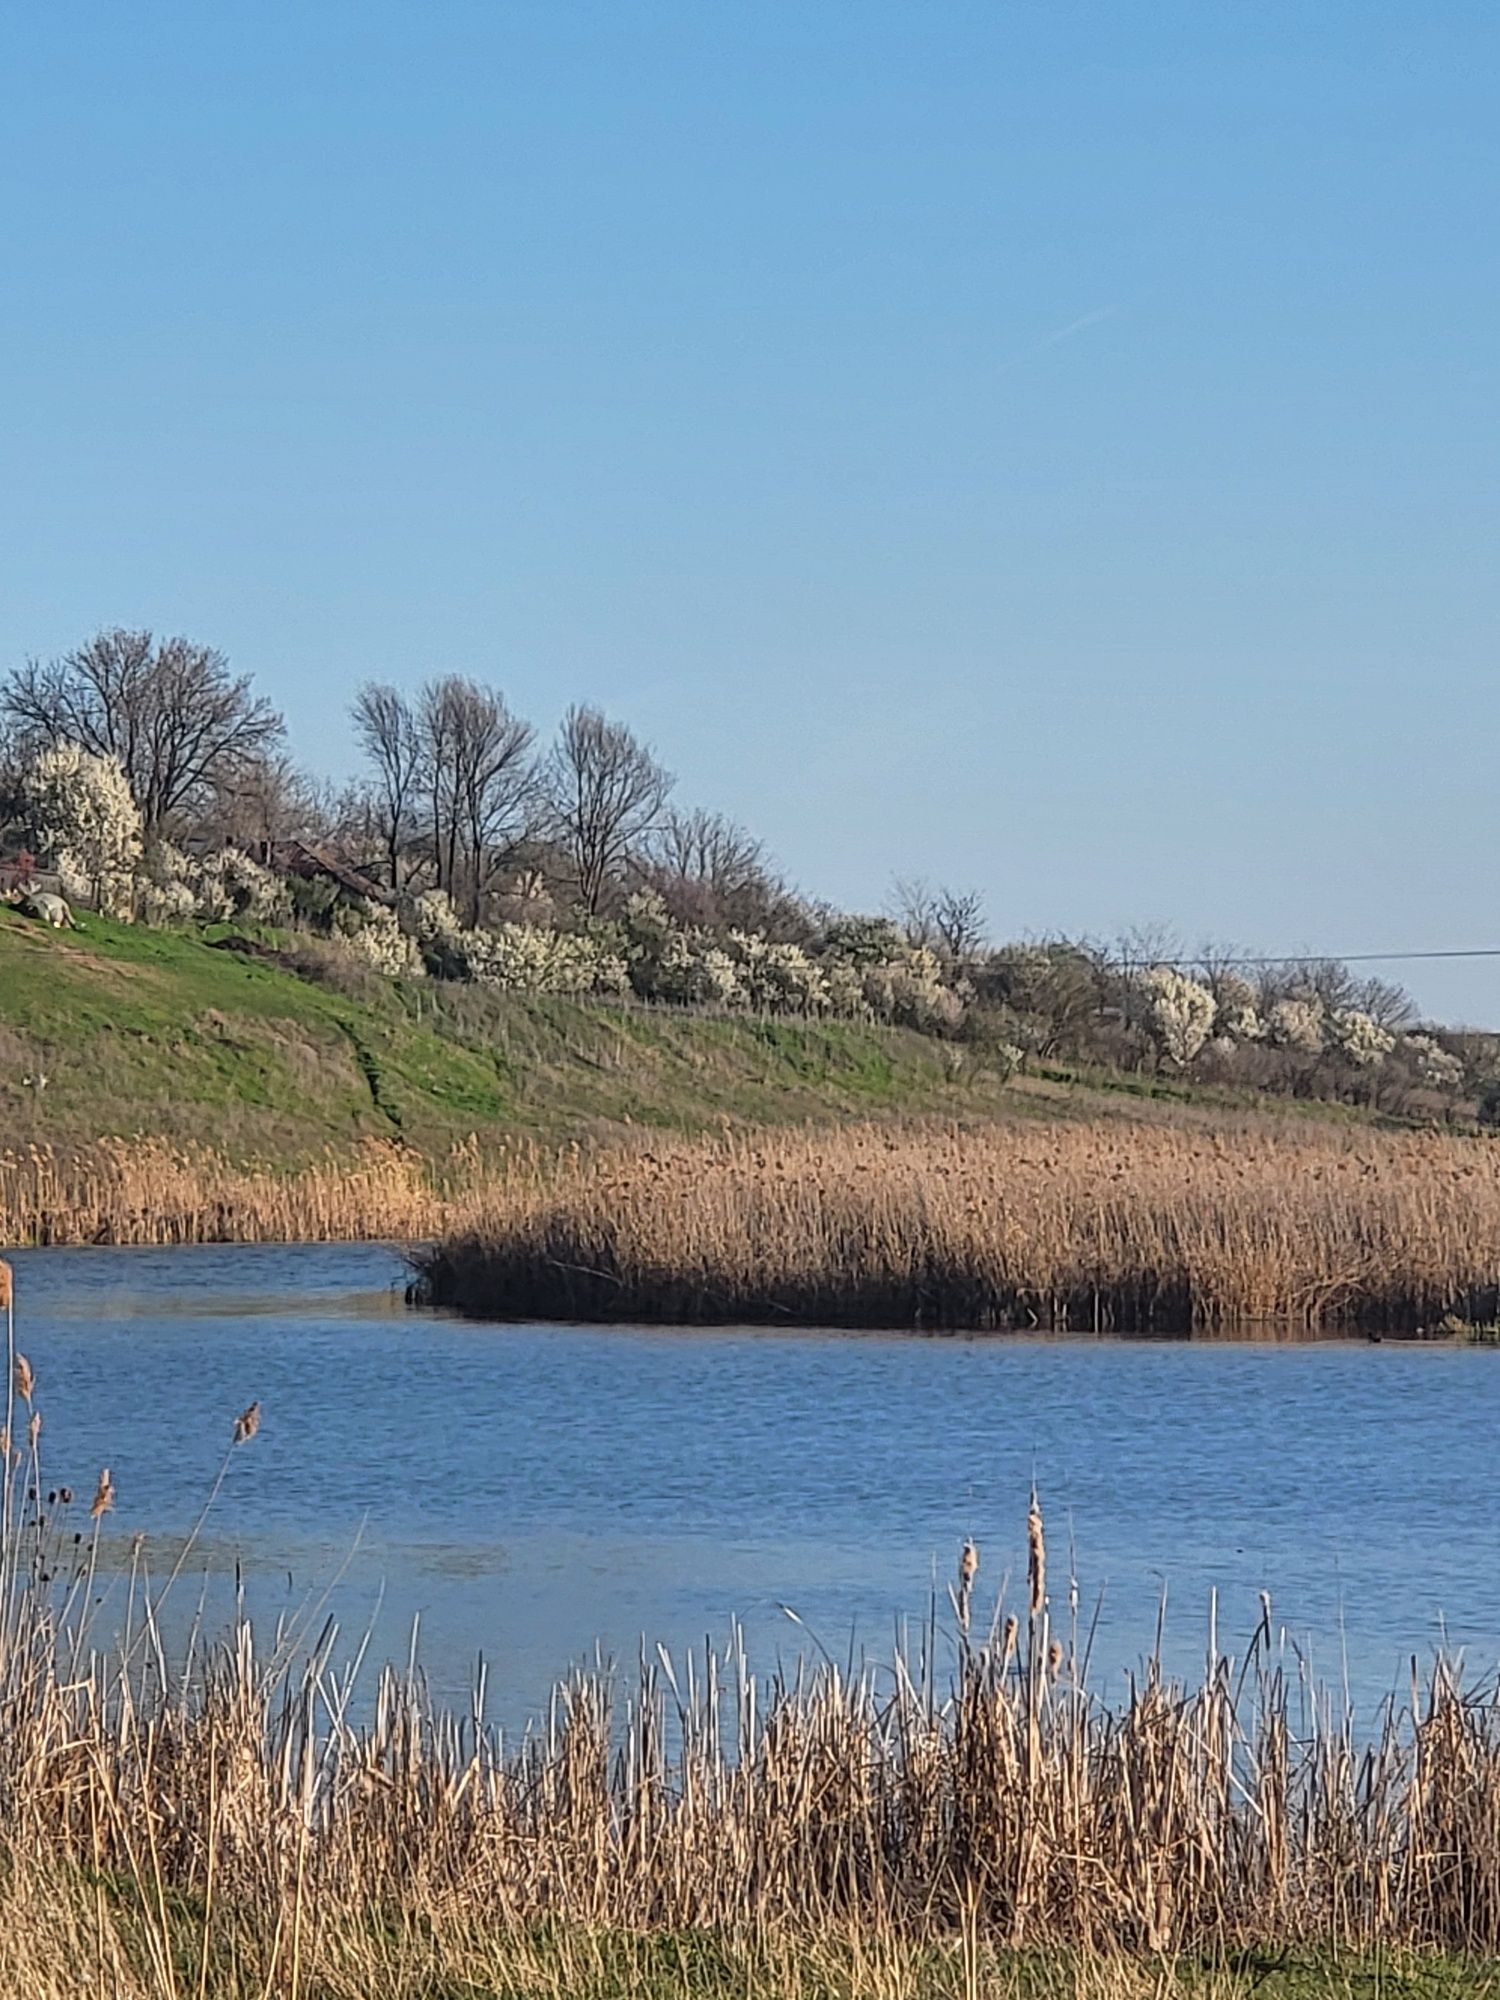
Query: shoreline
pixel 1128 1228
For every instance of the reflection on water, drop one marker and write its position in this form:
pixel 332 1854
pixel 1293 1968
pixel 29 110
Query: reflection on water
pixel 524 1491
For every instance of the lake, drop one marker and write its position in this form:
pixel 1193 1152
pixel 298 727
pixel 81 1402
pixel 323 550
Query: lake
pixel 526 1492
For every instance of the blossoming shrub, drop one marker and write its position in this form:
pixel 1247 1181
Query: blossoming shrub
pixel 666 962
pixel 1179 1013
pixel 1238 1016
pixel 231 884
pixel 85 821
pixel 372 933
pixel 1433 1065
pixel 1358 1038
pixel 164 891
pixel 517 958
pixel 911 994
pixel 1296 1025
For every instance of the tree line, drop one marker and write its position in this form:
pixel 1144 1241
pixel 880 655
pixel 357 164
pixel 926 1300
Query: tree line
pixel 477 851
pixel 456 792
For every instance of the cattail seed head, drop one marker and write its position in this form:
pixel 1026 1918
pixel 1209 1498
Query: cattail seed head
pixel 104 1495
pixel 7 1286
pixel 968 1564
pixel 1008 1640
pixel 1036 1561
pixel 24 1379
pixel 1055 1658
pixel 246 1424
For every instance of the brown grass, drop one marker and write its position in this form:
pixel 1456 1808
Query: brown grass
pixel 1120 1225
pixel 150 1191
pixel 241 1825
pixel 1131 1227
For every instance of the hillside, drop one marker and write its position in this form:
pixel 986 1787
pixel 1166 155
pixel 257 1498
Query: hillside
pixel 212 1038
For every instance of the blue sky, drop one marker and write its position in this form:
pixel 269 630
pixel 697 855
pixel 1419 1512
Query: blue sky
pixel 1047 448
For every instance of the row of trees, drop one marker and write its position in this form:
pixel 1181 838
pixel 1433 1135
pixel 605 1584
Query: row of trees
pixel 457 790
pixel 456 793
pixel 162 776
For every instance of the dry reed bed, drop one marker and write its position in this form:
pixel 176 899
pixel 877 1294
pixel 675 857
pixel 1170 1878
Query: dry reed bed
pixel 1124 1226
pixel 150 1191
pixel 1131 1227
pixel 1014 1808
pixel 237 1825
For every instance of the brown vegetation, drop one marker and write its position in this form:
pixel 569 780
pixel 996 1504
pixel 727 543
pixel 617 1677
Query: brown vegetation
pixel 1120 1226
pixel 246 1824
pixel 236 1830
pixel 149 1191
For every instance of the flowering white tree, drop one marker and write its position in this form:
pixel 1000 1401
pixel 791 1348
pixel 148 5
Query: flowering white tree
pixel 373 933
pixel 232 884
pixel 164 892
pixel 1358 1038
pixel 1296 1025
pixel 1435 1066
pixel 85 821
pixel 776 978
pixel 1238 1018
pixel 1179 1012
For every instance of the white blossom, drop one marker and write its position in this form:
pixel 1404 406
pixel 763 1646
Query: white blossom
pixel 1359 1038
pixel 378 939
pixel 86 821
pixel 1435 1066
pixel 231 884
pixel 1180 1013
pixel 1296 1025
pixel 1238 1017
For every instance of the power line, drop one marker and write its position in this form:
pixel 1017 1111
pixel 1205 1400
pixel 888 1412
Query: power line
pixel 1309 958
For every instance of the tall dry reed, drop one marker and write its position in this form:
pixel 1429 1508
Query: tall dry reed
pixel 151 1191
pixel 1087 1227
pixel 241 1825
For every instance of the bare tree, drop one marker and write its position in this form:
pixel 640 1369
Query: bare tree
pixel 387 729
pixel 174 715
pixel 438 779
pixel 709 871
pixel 266 801
pixel 477 780
pixel 1386 1003
pixel 495 783
pixel 912 902
pixel 942 919
pixel 958 920
pixel 605 793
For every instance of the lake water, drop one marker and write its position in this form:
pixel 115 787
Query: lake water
pixel 526 1492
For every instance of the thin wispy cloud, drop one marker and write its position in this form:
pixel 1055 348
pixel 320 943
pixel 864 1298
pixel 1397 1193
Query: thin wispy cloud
pixel 1062 333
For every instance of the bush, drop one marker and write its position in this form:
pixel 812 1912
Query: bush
pixel 373 933
pixel 1179 1014
pixel 1439 1069
pixel 776 978
pixel 230 884
pixel 82 815
pixel 164 891
pixel 1296 1025
pixel 1358 1038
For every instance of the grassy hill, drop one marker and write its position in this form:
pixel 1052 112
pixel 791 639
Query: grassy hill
pixel 213 1037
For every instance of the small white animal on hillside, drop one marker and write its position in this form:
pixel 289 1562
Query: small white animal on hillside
pixel 47 909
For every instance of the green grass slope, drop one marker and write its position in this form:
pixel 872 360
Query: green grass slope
pixel 206 1037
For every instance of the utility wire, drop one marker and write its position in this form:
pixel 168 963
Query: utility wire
pixel 1307 958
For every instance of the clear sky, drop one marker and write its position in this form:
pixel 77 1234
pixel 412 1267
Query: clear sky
pixel 1047 448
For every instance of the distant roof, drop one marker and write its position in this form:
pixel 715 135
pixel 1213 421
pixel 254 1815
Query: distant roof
pixel 295 857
